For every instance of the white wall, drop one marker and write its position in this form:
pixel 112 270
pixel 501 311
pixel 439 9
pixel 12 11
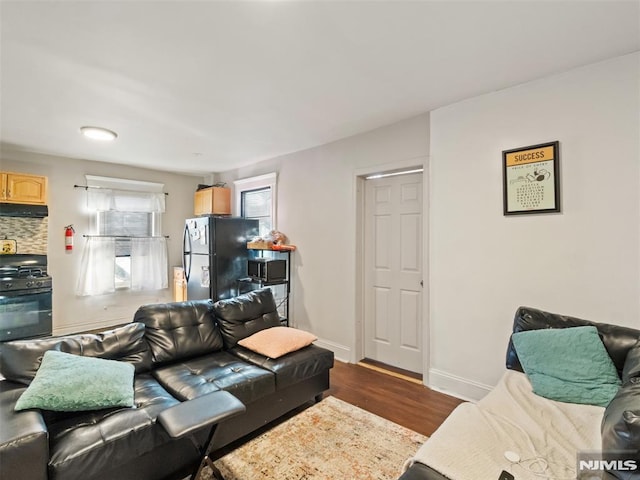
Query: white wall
pixel 582 262
pixel 67 206
pixel 316 210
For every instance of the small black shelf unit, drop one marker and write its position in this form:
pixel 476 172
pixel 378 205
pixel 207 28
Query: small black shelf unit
pixel 283 290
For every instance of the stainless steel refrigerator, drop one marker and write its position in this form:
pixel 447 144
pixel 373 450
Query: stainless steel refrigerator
pixel 214 255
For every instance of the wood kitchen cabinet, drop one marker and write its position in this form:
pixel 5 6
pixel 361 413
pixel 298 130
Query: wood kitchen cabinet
pixel 23 188
pixel 212 201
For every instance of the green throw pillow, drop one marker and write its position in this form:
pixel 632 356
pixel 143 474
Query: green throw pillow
pixel 71 383
pixel 568 364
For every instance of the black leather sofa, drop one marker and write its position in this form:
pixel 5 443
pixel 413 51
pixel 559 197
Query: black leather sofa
pixel 180 351
pixel 621 420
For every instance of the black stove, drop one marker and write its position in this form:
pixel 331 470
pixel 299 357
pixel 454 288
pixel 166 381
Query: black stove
pixel 25 297
pixel 23 272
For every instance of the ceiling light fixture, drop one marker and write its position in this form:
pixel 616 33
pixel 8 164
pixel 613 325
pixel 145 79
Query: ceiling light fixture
pixel 98 133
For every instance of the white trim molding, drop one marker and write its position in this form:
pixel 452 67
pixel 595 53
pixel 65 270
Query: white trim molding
pixel 457 386
pixel 341 352
pixel 253 183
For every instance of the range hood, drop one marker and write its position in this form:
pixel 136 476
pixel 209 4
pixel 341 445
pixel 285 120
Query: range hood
pixel 21 210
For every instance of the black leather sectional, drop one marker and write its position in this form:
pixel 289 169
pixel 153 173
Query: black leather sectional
pixel 180 351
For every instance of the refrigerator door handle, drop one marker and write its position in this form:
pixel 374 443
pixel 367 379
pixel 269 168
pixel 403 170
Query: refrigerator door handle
pixel 186 252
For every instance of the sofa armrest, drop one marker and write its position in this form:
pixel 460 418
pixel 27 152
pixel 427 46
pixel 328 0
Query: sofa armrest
pixel 24 443
pixel 419 471
pixel 205 411
pixel 621 428
pixel 631 367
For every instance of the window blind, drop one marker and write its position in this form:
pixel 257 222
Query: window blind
pixel 256 204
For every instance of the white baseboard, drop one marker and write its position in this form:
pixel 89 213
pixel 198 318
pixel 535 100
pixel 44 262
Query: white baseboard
pixel 455 386
pixel 341 352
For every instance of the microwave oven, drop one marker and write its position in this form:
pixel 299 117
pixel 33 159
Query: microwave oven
pixel 267 269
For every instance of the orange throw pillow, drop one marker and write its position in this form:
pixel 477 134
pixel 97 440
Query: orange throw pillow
pixel 275 342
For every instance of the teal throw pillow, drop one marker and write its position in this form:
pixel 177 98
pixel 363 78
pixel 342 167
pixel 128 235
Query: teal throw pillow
pixel 71 383
pixel 568 364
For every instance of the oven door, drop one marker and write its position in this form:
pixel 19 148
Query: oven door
pixel 25 314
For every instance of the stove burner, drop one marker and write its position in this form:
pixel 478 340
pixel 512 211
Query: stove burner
pixel 31 272
pixel 23 272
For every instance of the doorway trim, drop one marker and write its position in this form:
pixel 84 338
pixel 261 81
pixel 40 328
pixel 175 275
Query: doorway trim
pixel 359 202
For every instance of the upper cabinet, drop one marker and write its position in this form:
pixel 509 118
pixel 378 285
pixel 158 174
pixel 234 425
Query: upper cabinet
pixel 212 201
pixel 23 188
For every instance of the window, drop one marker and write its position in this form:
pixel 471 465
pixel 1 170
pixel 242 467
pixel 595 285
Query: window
pixel 122 226
pixel 256 204
pixel 126 248
pixel 256 198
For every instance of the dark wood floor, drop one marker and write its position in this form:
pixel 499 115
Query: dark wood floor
pixel 404 402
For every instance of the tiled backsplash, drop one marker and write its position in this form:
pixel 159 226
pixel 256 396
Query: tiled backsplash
pixel 31 234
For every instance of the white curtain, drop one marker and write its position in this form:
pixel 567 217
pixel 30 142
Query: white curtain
pixel 105 199
pixel 149 264
pixel 97 272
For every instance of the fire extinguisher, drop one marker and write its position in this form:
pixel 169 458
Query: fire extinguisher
pixel 68 237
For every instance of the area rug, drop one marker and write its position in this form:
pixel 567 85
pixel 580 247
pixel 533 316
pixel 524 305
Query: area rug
pixel 330 440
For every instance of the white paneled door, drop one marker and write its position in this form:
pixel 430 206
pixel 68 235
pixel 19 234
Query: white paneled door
pixel 393 271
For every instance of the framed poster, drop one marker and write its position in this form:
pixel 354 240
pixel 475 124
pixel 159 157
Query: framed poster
pixel 531 179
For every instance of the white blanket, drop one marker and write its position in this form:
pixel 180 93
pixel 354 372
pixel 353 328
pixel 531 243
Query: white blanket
pixel 546 435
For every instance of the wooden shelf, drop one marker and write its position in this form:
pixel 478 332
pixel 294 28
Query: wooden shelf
pixel 283 305
pixel 262 283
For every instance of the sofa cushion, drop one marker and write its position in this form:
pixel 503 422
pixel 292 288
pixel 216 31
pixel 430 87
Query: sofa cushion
pixel 632 364
pixel 242 316
pixel 617 340
pixel 72 383
pixel 85 444
pixel 293 367
pixel 621 425
pixel 179 330
pixel 275 342
pixel 23 435
pixel 216 371
pixel 21 358
pixel 568 365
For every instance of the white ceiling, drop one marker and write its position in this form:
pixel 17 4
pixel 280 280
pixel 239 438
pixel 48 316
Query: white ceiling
pixel 206 86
